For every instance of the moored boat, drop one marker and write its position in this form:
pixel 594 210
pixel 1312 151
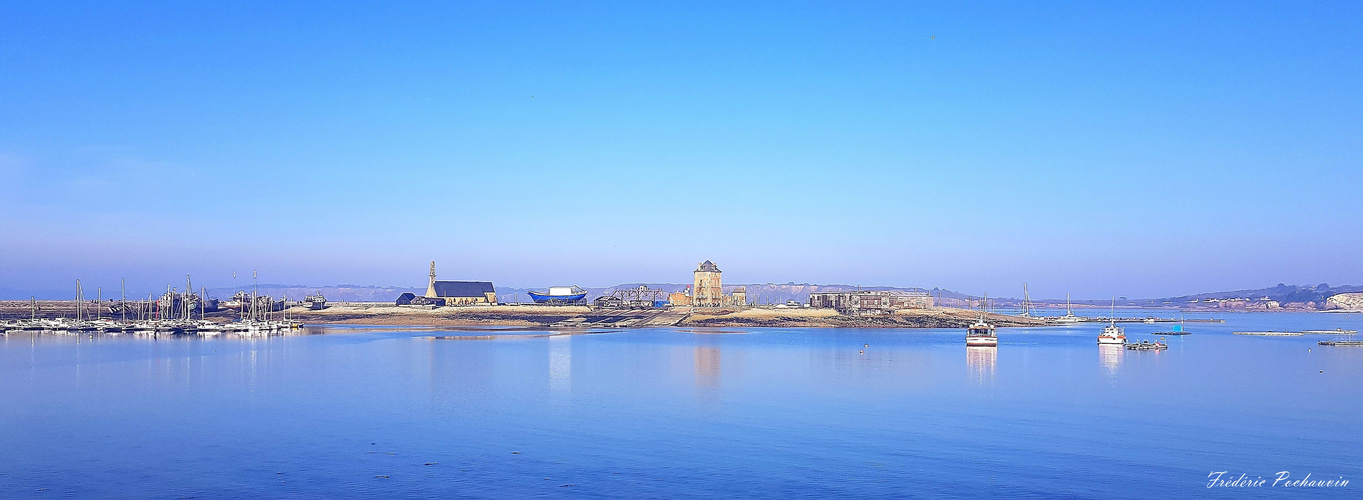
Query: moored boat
pixel 1069 317
pixel 1146 345
pixel 981 334
pixel 1112 334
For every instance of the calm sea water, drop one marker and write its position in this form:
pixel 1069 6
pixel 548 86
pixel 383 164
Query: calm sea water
pixel 390 412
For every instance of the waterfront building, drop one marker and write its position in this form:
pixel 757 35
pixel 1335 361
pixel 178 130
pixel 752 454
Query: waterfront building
pixel 871 301
pixel 459 293
pixel 707 289
pixel 411 299
pixel 680 298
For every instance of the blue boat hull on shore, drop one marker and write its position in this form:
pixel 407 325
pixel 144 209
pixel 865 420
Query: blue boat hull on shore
pixel 540 297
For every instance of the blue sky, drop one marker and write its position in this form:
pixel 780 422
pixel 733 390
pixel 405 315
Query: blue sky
pixel 1097 148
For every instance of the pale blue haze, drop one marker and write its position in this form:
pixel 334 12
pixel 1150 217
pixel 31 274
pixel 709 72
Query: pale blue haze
pixel 1097 148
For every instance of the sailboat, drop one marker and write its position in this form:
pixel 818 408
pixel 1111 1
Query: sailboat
pixel 1069 317
pixel 1112 334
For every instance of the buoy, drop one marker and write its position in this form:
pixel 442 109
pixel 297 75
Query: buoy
pixel 1322 371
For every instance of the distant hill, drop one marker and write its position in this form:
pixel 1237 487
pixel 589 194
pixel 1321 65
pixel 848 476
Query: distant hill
pixel 773 293
pixel 1293 296
pixel 336 293
pixel 1283 293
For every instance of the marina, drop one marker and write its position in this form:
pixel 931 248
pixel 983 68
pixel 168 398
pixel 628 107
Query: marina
pixel 174 313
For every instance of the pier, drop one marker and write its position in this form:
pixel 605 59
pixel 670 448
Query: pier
pixel 1337 331
pixel 1100 319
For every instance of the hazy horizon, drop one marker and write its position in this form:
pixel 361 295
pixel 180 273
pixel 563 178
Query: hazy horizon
pixel 219 290
pixel 1127 149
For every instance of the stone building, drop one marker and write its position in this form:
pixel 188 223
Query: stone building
pixel 458 293
pixel 707 290
pixel 680 298
pixel 870 301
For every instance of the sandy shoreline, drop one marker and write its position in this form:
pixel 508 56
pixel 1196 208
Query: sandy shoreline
pixel 584 317
pixel 580 317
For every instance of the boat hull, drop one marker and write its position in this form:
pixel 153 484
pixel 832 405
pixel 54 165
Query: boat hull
pixel 981 341
pixel 544 297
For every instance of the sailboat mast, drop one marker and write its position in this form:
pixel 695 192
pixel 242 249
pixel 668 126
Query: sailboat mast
pixel 1112 315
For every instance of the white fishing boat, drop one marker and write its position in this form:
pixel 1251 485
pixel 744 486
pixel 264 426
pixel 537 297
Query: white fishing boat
pixel 1112 334
pixel 981 334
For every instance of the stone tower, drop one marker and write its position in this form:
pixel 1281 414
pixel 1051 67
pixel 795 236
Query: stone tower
pixel 707 291
pixel 430 289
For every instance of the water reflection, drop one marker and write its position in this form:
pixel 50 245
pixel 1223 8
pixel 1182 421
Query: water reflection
pixel 707 366
pixel 981 362
pixel 1111 357
pixel 560 366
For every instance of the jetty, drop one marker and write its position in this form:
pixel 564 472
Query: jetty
pixel 1148 319
pixel 1341 342
pixel 1337 331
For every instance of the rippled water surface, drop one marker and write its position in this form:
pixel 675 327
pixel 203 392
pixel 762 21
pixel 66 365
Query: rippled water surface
pixel 392 412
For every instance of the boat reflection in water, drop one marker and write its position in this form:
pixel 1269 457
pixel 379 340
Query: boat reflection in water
pixel 981 362
pixel 1110 355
